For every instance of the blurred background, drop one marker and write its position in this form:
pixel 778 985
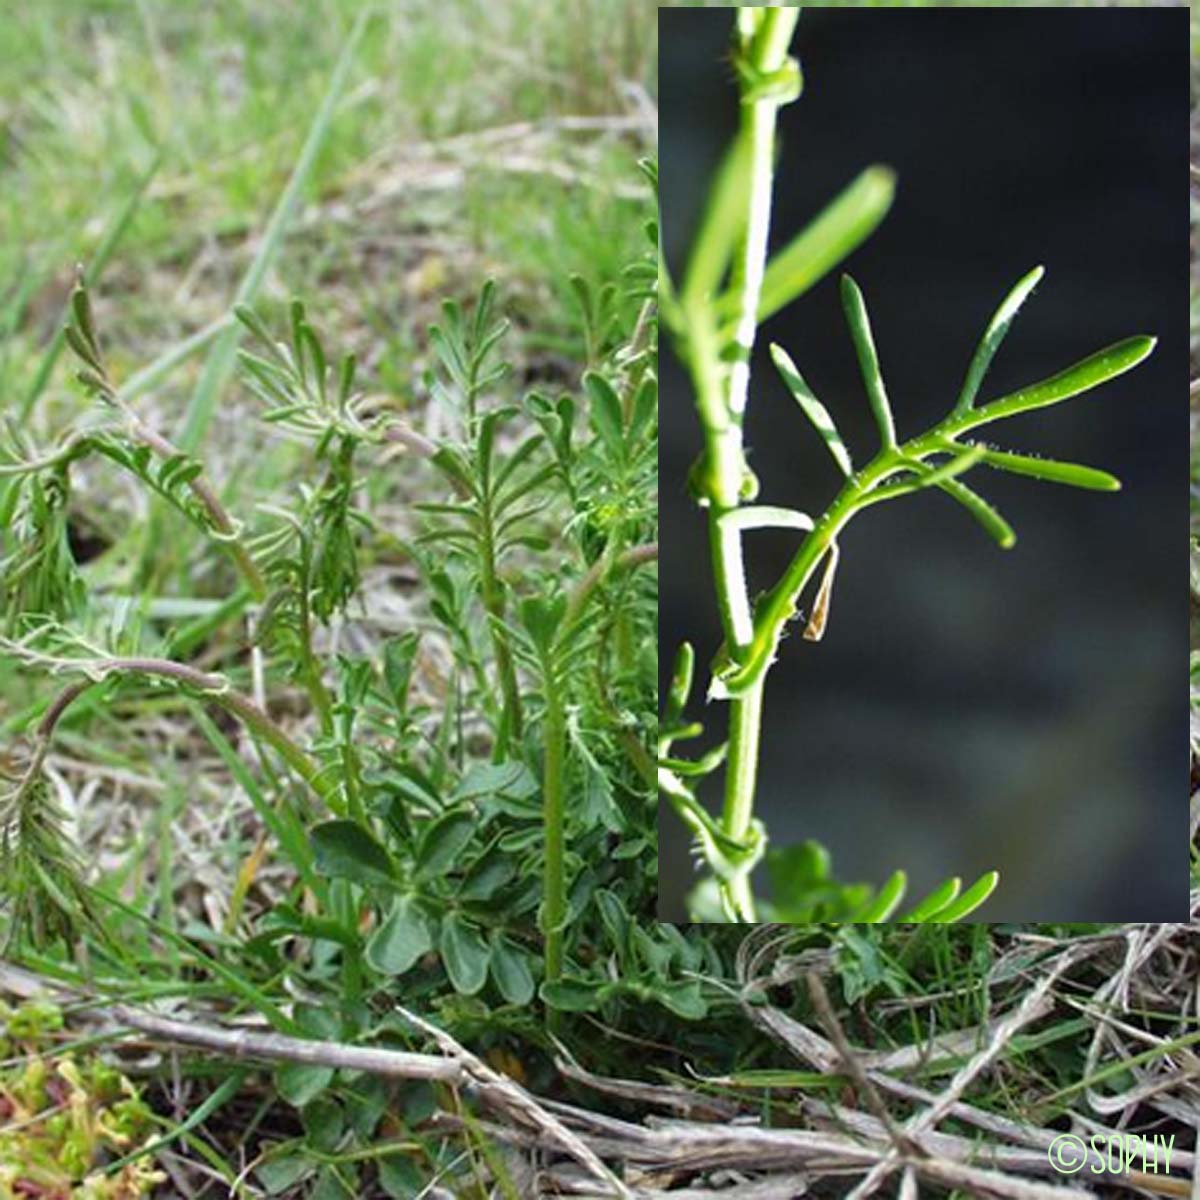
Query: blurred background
pixel 969 708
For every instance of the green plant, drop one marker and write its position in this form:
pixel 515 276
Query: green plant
pixel 727 290
pixel 451 798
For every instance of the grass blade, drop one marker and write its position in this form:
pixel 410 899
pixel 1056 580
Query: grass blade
pixel 1052 471
pixel 868 359
pixel 220 361
pixel 814 410
pixel 1084 375
pixel 839 229
pixel 995 333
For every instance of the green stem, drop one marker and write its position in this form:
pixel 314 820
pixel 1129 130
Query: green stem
pixel 765 53
pixel 492 594
pixel 554 888
pixel 210 687
pixel 741 773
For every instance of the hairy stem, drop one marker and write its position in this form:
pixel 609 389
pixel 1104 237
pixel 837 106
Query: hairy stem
pixel 211 687
pixel 765 55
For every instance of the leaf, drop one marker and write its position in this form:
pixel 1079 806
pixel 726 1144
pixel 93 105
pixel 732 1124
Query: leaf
pixel 840 228
pixel 868 359
pixel 278 1174
pixel 813 409
pixel 1084 375
pixel 443 841
pixel 995 525
pixel 683 999
pixel 299 1083
pixel 572 995
pixel 399 656
pixel 721 225
pixel 487 875
pixel 605 411
pixel 465 954
pixel 1071 474
pixel 681 684
pixel 511 971
pixel 401 939
pixel 488 779
pixel 345 850
pixel 935 901
pixel 765 516
pixel 885 903
pixel 995 333
pixel 541 616
pixel 969 901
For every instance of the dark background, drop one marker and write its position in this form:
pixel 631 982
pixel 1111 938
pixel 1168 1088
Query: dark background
pixel 969 708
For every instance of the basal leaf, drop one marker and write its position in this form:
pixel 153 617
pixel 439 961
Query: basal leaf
pixel 443 841
pixel 345 850
pixel 511 970
pixel 465 954
pixel 401 939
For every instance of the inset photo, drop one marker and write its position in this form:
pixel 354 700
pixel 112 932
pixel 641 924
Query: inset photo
pixel 921 451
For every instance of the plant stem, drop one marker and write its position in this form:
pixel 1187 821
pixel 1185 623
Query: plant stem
pixel 765 54
pixel 554 894
pixel 212 687
pixel 741 772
